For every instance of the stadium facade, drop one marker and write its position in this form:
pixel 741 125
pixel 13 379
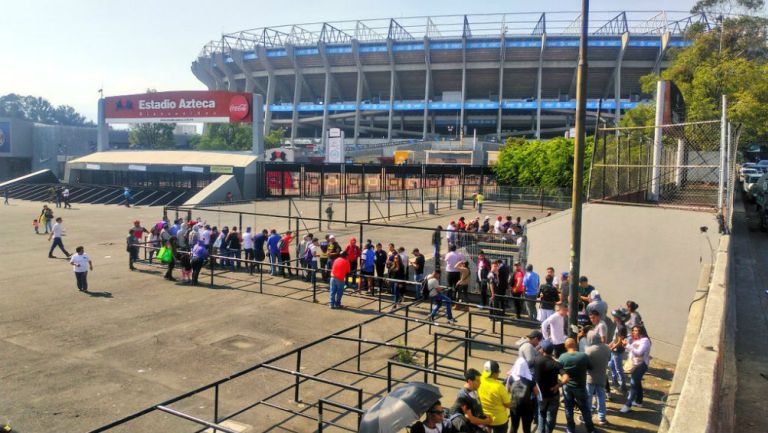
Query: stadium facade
pixel 494 74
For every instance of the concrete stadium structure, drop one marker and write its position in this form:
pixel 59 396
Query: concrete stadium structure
pixel 424 77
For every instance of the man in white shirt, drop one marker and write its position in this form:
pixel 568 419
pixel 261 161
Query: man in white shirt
pixel 553 328
pixel 438 297
pixel 205 236
pixel 450 233
pixel 65 194
pixel 56 235
pixel 453 258
pixel 81 264
pixel 497 225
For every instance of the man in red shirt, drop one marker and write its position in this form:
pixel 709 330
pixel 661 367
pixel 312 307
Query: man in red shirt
pixel 518 289
pixel 353 254
pixel 339 272
pixel 285 252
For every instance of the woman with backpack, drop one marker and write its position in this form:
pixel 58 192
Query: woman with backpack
pixel 524 391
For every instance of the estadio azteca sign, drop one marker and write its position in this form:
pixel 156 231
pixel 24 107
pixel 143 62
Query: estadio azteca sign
pixel 172 107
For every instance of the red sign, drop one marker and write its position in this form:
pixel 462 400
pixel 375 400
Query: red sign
pixel 174 107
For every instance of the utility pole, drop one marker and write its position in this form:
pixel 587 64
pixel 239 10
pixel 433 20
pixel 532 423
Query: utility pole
pixel 578 170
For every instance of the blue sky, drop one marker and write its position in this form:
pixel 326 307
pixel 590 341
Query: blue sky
pixel 66 50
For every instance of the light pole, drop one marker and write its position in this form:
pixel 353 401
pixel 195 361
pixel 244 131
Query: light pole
pixel 578 170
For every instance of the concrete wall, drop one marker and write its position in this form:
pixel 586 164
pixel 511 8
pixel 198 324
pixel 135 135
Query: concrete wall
pixel 652 256
pixel 705 404
pixel 216 191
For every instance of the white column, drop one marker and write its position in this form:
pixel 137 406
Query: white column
pixel 723 140
pixel 657 142
pixel 679 162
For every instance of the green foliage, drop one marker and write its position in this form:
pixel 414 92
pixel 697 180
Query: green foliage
pixel 539 163
pixel 152 136
pixel 40 110
pixel 234 136
pixel 730 60
pixel 404 355
pixel 641 115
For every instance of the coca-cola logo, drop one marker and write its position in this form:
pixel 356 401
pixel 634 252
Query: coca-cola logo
pixel 238 108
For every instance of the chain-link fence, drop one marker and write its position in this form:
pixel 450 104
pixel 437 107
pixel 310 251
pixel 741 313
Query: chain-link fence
pixel 677 165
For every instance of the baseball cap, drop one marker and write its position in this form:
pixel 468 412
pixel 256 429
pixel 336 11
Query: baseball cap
pixel 536 334
pixel 331 237
pixel 491 367
pixel 564 274
pixel 547 347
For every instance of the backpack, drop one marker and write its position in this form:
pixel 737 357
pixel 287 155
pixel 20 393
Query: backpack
pixel 308 256
pixel 425 288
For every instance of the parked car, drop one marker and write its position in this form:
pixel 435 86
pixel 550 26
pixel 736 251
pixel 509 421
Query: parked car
pixel 762 165
pixel 745 171
pixel 749 181
pixel 760 193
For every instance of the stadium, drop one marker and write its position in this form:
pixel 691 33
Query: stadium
pixel 439 77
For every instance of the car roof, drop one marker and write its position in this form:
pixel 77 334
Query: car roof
pixel 763 162
pixel 749 164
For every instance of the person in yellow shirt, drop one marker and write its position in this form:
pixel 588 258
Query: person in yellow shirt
pixel 479 200
pixel 494 397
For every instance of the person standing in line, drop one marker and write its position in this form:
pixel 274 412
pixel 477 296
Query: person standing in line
pixel 640 355
pixel 546 371
pixel 285 253
pixel 492 280
pixel 248 245
pixel 525 393
pixel 56 233
pixel 334 251
pixel 617 346
pixel 418 270
pixel 65 195
pixel 549 296
pixel 437 240
pixel 467 404
pixel 258 248
pixel 574 382
pixel 599 354
pixel 634 317
pixel 553 329
pixel 199 254
pixel 483 267
pixel 503 285
pixel 494 397
pixel 462 287
pixel 450 233
pixel 368 261
pixel 452 258
pixel 518 289
pixel 353 256
pixel 312 253
pixel 329 214
pixel 531 281
pixel 274 252
pixel 81 265
pixel 234 247
pixel 131 245
pixel 323 255
pixel 339 271
pixel 565 287
pixel 380 261
pixel 397 274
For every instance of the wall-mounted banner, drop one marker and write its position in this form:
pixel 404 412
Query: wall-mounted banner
pixel 134 167
pixel 92 167
pixel 5 137
pixel 173 107
pixel 192 169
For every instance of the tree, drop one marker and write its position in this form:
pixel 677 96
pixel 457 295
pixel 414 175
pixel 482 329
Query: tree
pixel 152 136
pixel 730 60
pixel 539 163
pixel 235 136
pixel 37 109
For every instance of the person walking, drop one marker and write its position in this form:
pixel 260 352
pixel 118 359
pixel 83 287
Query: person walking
pixel 329 214
pixel 65 196
pixel 640 356
pixel 479 199
pixel 452 258
pixel 531 281
pixel 81 264
pixel 5 196
pixel 574 382
pixel 339 271
pixel 438 297
pixel 56 233
pixel 494 397
pixel 546 371
pixel 57 195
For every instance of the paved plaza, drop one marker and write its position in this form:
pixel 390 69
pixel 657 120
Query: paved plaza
pixel 75 361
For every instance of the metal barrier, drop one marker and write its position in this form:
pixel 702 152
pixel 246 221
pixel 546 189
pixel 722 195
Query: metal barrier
pixel 427 371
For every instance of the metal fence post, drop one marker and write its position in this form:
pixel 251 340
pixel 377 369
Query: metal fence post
pixel 216 404
pixel 296 397
pixel 434 355
pixel 359 344
pixel 406 203
pixel 320 417
pixel 450 197
pixel 369 207
pixel 346 215
pixel 389 201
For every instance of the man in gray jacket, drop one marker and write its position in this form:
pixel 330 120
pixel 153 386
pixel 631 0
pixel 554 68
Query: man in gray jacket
pixel 599 354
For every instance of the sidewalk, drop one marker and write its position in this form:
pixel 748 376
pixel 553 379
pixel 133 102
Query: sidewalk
pixel 750 265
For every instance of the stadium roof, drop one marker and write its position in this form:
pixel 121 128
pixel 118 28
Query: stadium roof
pixel 169 157
pixel 601 23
